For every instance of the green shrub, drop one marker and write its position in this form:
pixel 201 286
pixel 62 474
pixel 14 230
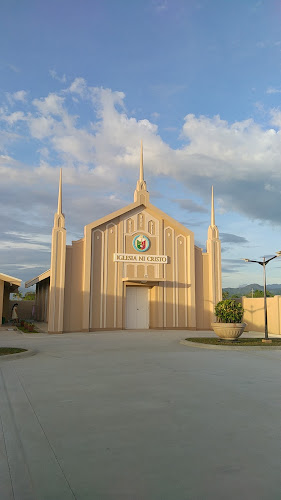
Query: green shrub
pixel 229 311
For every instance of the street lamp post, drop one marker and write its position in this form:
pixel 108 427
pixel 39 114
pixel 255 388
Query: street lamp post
pixel 263 263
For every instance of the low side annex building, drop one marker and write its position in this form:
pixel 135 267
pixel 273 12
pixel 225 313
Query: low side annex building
pixel 136 268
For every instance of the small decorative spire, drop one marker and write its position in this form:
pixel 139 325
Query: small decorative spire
pixel 141 193
pixel 213 232
pixel 60 195
pixel 141 163
pixel 213 209
pixel 59 220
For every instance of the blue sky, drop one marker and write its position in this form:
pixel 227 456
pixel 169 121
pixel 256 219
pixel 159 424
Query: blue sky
pixel 83 82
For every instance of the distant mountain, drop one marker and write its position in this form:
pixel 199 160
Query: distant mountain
pixel 245 289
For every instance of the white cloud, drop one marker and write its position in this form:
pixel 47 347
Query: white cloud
pixel 275 115
pixel 6 139
pixel 55 76
pixel 15 245
pixel 13 68
pixel 99 154
pixel 191 206
pixel 160 5
pixel 155 115
pixel 272 90
pixel 50 105
pixel 261 44
pixel 79 87
pixel 38 238
pixel 19 96
pixel 13 117
pixel 22 266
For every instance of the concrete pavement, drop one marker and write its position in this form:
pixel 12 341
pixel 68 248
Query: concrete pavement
pixel 136 415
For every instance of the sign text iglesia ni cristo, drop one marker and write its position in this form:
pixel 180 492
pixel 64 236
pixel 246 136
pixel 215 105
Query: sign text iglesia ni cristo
pixel 135 258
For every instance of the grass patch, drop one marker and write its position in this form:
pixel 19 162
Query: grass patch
pixel 10 350
pixel 244 342
pixel 25 330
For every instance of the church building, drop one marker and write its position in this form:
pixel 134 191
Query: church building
pixel 136 268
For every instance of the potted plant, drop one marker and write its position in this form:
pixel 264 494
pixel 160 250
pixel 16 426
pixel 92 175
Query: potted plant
pixel 229 315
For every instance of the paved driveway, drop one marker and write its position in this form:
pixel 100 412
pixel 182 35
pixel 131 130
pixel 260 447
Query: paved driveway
pixel 137 416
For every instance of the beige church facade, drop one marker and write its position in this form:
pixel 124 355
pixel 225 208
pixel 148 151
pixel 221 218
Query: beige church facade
pixel 136 268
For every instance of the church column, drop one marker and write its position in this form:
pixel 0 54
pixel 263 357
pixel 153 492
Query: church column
pixel 214 252
pixel 57 276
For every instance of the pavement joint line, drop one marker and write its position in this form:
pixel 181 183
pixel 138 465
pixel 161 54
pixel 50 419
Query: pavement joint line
pixel 17 435
pixel 27 476
pixel 47 439
pixel 6 452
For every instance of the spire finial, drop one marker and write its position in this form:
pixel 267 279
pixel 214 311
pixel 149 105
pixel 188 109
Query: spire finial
pixel 60 194
pixel 141 163
pixel 213 209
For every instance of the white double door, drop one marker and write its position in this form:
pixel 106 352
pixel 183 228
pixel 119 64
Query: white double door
pixel 137 307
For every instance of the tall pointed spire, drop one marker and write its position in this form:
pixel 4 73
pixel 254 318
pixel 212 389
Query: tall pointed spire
pixel 60 194
pixel 213 231
pixel 213 209
pixel 57 271
pixel 59 220
pixel 214 252
pixel 141 194
pixel 141 163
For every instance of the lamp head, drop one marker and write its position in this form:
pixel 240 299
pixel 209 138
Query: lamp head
pixel 246 260
pixel 278 253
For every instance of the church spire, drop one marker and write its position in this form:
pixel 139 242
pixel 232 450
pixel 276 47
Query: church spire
pixel 60 195
pixel 213 209
pixel 141 194
pixel 57 271
pixel 213 232
pixel 141 163
pixel 59 220
pixel 214 252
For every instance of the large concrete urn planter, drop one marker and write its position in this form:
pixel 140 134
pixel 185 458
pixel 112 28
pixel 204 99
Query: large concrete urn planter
pixel 228 331
pixel 229 314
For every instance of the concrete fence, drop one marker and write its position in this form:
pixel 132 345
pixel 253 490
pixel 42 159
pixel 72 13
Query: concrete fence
pixel 254 314
pixel 24 309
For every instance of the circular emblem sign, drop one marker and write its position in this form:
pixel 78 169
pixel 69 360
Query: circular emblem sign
pixel 141 243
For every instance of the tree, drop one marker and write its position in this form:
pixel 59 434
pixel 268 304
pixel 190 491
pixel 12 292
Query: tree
pixel 17 295
pixel 259 293
pixel 29 296
pixel 225 295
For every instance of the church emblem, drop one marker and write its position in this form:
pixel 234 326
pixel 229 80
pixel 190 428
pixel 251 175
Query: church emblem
pixel 141 243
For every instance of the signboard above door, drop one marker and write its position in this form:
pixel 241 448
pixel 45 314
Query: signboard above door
pixel 137 258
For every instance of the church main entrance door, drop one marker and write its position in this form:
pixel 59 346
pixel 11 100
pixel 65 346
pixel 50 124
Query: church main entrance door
pixel 137 307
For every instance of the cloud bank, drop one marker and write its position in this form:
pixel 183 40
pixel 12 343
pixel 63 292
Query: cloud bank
pixel 90 133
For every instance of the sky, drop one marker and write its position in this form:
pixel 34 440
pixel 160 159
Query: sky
pixel 199 81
